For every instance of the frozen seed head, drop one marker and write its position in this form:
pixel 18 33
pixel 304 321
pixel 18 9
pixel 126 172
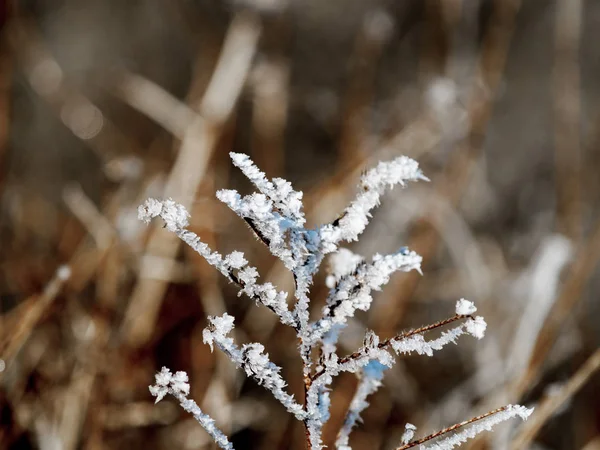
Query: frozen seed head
pixel 465 307
pixel 275 212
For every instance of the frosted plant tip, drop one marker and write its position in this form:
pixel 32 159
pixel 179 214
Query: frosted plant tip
pixel 409 433
pixel 174 214
pixel 161 388
pixel 465 307
pixel 422 177
pixel 149 210
pixel 166 381
pixel 476 327
pixel 521 411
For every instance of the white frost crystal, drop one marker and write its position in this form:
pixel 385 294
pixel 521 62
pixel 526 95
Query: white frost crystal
pixel 476 327
pixel 174 214
pixel 341 263
pixel 370 381
pixel 409 433
pixel 177 385
pixel 165 381
pixel 417 343
pixel 236 260
pixel 465 307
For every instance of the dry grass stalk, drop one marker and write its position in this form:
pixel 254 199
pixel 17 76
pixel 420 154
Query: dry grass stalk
pixel 553 401
pixel 424 240
pixel 28 315
pixel 567 116
pixel 156 103
pixel 585 262
pixel 197 146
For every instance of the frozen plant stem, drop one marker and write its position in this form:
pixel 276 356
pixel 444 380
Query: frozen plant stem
pixel 369 382
pixel 358 354
pixel 275 215
pixel 502 414
pixel 177 385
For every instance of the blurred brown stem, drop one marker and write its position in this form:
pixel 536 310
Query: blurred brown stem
pixel 553 401
pixel 197 146
pixel 567 111
pixel 424 239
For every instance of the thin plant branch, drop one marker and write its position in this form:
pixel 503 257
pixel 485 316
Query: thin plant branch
pixel 450 429
pixel 399 337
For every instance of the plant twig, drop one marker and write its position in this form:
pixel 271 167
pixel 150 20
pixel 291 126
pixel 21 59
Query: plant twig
pixel 450 429
pixel 398 337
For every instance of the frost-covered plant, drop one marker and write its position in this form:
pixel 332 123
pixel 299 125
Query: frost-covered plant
pixel 275 215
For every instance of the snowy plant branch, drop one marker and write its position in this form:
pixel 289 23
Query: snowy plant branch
pixel 252 359
pixel 234 266
pixel 177 385
pixel 478 424
pixel 370 380
pixel 351 289
pixel 375 352
pixel 373 184
pixel 407 342
pixel 275 215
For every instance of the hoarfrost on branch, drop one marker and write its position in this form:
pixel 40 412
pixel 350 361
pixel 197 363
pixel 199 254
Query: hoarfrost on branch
pixel 275 215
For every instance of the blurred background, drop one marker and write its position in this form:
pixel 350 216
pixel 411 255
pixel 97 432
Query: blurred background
pixel 104 103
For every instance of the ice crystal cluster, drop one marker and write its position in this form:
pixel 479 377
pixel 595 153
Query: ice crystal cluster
pixel 275 215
